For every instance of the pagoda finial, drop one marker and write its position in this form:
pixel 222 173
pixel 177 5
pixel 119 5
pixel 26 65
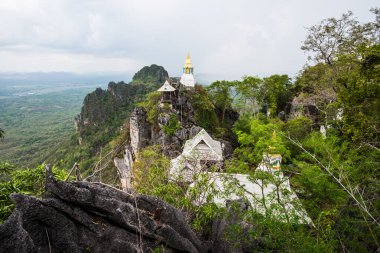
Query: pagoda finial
pixel 273 149
pixel 274 135
pixel 188 67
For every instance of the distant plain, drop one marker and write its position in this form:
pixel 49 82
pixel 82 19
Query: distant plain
pixel 37 117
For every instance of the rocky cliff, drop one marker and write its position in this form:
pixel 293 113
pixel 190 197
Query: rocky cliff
pixel 151 75
pixel 93 217
pixel 173 123
pixel 109 108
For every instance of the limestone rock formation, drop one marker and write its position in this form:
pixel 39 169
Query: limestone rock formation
pixel 314 106
pixel 143 133
pixel 92 217
pixel 152 74
pixel 108 109
pixel 124 167
pixel 139 129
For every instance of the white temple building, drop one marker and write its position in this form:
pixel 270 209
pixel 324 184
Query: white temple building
pixel 269 194
pixel 272 197
pixel 268 191
pixel 187 79
pixel 198 153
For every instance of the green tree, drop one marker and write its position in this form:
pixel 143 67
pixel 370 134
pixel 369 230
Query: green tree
pixel 150 174
pixel 275 93
pixel 259 139
pixel 332 37
pixel 248 92
pixel 220 94
pixel 204 110
pixel 358 96
pixel 151 106
pixel 24 181
pixel 173 125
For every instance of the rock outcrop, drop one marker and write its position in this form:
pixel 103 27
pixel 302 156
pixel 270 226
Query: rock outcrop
pixel 314 106
pixel 108 109
pixel 152 74
pixel 144 133
pixel 124 167
pixel 139 129
pixel 93 217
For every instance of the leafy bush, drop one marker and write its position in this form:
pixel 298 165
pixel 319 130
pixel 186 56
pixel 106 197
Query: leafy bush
pixel 150 104
pixel 24 181
pixel 204 110
pixel 151 177
pixel 257 139
pixel 173 125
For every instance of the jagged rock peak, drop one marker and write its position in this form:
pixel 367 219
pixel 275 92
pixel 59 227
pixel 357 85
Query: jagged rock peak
pixel 93 217
pixel 152 74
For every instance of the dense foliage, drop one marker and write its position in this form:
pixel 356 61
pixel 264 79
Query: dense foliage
pixel 172 126
pixel 25 181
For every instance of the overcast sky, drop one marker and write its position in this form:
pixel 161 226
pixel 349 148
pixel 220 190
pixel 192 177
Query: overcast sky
pixel 226 39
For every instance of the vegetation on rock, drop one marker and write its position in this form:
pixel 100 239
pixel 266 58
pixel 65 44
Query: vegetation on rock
pixel 172 126
pixel 152 75
pixel 334 172
pixel 23 181
pixel 102 119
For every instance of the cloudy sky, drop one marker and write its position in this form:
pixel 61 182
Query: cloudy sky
pixel 226 39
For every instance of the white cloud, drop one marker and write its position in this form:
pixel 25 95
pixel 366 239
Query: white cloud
pixel 225 38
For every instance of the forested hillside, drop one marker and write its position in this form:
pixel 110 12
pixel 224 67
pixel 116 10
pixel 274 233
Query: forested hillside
pixel 100 123
pixel 325 125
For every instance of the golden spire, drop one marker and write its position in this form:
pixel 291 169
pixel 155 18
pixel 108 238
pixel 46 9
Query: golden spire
pixel 274 157
pixel 273 139
pixel 274 135
pixel 188 64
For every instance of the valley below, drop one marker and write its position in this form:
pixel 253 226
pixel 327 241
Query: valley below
pixel 36 118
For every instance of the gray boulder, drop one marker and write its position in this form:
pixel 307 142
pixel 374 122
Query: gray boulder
pixel 93 217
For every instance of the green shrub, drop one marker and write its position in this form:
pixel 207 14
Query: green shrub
pixel 173 125
pixel 151 106
pixel 24 181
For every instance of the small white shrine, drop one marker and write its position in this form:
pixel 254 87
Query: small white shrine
pixel 166 87
pixel 167 91
pixel 187 79
pixel 197 154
